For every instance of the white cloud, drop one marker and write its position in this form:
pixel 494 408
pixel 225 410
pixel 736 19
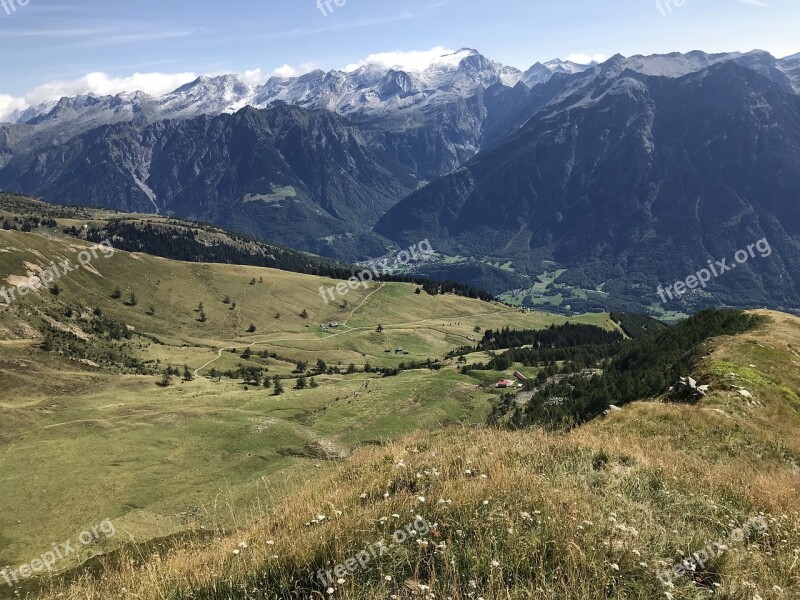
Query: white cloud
pixel 290 71
pixel 253 77
pixel 285 71
pixel 414 60
pixel 9 104
pixel 585 59
pixel 102 84
pixel 96 84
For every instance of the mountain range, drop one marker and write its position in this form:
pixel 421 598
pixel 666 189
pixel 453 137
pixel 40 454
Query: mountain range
pixel 581 186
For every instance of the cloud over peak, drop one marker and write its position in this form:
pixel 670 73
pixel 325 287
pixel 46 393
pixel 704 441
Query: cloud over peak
pixel 413 60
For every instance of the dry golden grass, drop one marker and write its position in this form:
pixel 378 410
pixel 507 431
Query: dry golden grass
pixel 593 514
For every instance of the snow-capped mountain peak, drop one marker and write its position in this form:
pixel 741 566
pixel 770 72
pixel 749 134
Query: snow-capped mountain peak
pixel 565 66
pixel 384 84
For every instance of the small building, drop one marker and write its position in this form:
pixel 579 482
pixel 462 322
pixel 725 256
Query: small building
pixel 505 383
pixel 520 377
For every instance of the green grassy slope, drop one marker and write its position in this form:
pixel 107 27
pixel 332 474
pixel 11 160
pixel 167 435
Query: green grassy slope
pixel 85 438
pixel 605 511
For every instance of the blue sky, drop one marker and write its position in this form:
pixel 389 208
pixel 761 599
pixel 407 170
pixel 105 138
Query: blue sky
pixel 50 47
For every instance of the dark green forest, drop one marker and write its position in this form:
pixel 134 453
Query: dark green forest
pixel 624 371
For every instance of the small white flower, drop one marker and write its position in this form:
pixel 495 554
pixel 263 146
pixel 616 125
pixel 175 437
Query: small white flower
pixel 615 566
pixel 495 563
pixel 420 498
pixel 388 578
pixel 340 581
pixel 330 591
pixel 236 552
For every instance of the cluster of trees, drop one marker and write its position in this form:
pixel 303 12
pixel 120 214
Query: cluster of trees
pixel 179 242
pixel 108 328
pixel 568 335
pixel 434 288
pixel 577 345
pixel 26 223
pixel 170 372
pixel 642 368
pixel 98 350
pixel 637 325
